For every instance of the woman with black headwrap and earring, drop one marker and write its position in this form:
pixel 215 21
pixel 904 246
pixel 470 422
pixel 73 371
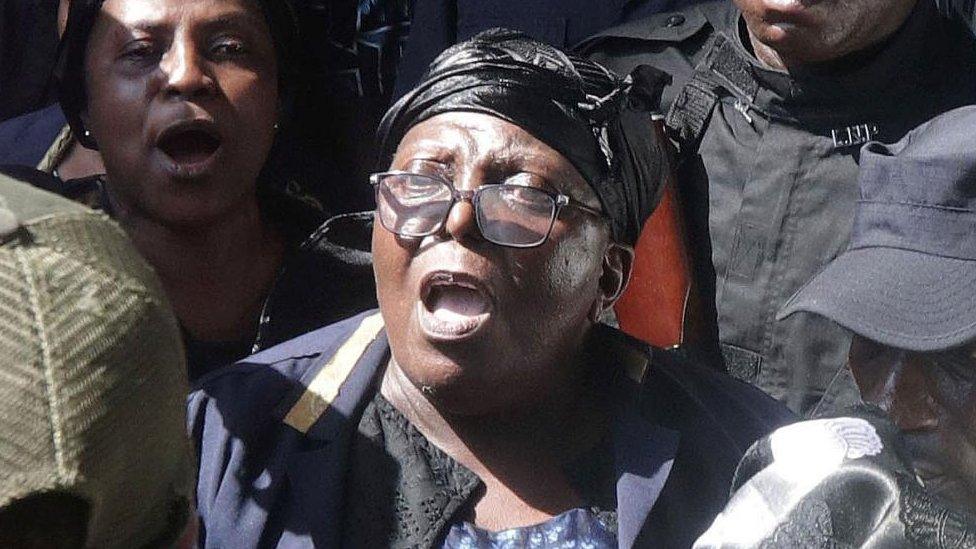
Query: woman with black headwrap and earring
pixel 484 405
pixel 188 104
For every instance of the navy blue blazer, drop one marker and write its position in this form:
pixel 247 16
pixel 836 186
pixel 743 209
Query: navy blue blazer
pixel 273 433
pixel 26 139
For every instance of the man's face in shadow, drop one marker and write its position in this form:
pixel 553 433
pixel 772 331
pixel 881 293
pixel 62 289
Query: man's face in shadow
pixel 815 31
pixel 931 397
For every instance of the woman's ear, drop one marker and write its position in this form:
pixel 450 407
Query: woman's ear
pixel 618 263
pixel 85 136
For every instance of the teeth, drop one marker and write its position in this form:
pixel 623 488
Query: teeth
pixel 443 278
pixel 465 285
pixel 448 280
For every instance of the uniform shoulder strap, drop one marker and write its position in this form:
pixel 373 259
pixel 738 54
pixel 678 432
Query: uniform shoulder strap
pixel 721 71
pixel 326 384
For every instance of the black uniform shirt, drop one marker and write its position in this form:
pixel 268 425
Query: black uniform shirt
pixel 768 173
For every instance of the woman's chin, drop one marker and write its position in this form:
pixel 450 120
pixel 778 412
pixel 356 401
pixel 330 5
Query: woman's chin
pixel 196 209
pixel 189 217
pixel 455 389
pixel 463 401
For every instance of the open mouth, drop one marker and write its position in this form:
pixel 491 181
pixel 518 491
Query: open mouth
pixel 189 144
pixel 452 306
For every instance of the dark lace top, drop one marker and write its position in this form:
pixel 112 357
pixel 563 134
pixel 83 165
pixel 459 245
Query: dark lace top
pixel 402 491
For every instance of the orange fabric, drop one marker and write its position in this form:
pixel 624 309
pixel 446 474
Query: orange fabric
pixel 654 308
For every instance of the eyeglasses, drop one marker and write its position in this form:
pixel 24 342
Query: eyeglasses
pixel 518 216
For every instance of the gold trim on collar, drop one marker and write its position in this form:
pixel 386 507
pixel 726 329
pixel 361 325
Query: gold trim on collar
pixel 58 150
pixel 325 386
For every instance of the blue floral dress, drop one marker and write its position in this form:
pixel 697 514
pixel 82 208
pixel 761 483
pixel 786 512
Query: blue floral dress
pixel 574 529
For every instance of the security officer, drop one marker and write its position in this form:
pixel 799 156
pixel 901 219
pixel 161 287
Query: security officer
pixel 769 103
pixel 897 471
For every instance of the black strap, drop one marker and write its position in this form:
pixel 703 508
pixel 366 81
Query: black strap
pixel 691 110
pixel 722 71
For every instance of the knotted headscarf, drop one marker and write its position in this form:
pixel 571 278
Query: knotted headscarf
pixel 599 121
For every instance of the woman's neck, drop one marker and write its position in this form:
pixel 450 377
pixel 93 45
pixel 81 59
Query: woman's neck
pixel 521 457
pixel 216 275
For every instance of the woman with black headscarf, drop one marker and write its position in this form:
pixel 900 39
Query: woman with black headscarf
pixel 484 405
pixel 190 106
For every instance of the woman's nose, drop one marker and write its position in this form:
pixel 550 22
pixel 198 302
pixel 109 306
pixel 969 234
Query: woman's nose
pixel 462 222
pixel 186 71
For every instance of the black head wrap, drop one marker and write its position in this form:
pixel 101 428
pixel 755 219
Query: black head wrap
pixel 600 122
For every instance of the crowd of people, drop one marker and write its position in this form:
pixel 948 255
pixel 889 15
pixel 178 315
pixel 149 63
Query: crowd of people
pixel 294 273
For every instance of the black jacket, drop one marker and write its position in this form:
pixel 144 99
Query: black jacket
pixel 768 172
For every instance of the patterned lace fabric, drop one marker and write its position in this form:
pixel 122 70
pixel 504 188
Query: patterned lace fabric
pixel 404 492
pixel 574 529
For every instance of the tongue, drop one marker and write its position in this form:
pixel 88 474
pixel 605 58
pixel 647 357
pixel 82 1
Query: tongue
pixel 455 302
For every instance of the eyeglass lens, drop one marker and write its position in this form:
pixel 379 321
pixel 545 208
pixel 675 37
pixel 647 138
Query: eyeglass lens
pixel 411 205
pixel 511 215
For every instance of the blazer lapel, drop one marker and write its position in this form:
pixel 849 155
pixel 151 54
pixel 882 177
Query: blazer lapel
pixel 316 480
pixel 644 454
pixel 327 413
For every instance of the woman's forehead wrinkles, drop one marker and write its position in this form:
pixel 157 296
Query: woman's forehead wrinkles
pixel 234 19
pixel 443 139
pixel 525 153
pixel 497 152
pixel 141 14
pixel 513 154
pixel 148 26
pixel 513 150
pixel 159 16
pixel 431 148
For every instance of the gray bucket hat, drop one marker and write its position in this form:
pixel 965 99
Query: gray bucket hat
pixel 908 278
